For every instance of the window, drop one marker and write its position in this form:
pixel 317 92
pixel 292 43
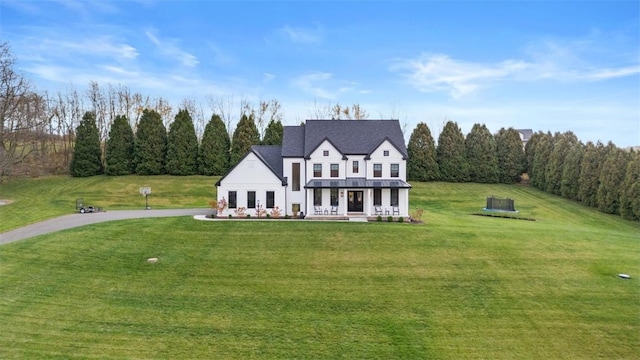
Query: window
pixel 317 170
pixel 356 167
pixel 295 174
pixel 377 170
pixel 395 170
pixel 377 197
pixel 394 197
pixel 325 153
pixel 334 170
pixel 271 199
pixel 251 199
pixel 232 199
pixel 334 196
pixel 317 197
pixel 385 153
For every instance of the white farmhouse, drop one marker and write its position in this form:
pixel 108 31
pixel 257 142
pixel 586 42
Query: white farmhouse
pixel 327 168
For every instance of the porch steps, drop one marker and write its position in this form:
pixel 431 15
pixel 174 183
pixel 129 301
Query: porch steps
pixel 358 218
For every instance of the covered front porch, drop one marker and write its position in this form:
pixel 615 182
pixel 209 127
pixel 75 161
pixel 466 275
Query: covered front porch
pixel 357 197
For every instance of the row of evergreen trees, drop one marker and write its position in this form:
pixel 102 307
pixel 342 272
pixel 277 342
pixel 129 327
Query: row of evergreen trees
pixel 154 151
pixel 480 157
pixel 604 177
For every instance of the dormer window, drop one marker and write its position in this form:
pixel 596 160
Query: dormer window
pixel 325 152
pixel 385 153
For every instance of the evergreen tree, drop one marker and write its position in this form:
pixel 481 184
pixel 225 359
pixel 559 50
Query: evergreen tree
pixel 245 135
pixel 214 150
pixel 612 175
pixel 542 153
pixel 273 133
pixel 571 172
pixel 530 150
pixel 630 190
pixel 119 151
pixel 555 167
pixel 87 154
pixel 510 155
pixel 450 153
pixel 422 164
pixel 182 146
pixel 481 155
pixel 150 147
pixel 590 173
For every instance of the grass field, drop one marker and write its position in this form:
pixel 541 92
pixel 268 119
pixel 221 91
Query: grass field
pixel 43 198
pixel 457 287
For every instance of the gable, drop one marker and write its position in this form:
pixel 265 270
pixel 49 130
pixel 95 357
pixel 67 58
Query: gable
pixel 250 170
pixel 331 150
pixel 386 145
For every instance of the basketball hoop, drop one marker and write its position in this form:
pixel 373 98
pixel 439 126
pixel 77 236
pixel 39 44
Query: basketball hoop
pixel 146 191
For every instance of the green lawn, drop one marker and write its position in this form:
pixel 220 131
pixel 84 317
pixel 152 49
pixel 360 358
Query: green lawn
pixel 43 198
pixel 457 287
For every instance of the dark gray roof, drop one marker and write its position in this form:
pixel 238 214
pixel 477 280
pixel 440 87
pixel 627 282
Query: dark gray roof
pixel 293 141
pixel 357 183
pixel 353 137
pixel 270 156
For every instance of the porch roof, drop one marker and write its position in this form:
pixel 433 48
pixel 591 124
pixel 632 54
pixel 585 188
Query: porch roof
pixel 357 183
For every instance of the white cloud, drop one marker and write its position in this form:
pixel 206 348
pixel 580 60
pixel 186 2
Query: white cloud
pixel 548 61
pixel 170 49
pixel 267 77
pixel 308 83
pixel 439 72
pixel 302 36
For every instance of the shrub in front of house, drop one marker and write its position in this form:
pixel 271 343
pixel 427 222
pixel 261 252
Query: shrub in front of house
pixel 379 218
pixel 389 218
pixel 400 219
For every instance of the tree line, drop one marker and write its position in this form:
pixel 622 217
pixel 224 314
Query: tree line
pixel 603 177
pixel 153 150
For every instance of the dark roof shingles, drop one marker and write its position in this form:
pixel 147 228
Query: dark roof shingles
pixel 353 137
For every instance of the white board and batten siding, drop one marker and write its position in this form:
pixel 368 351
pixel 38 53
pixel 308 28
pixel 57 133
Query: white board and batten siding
pixel 251 175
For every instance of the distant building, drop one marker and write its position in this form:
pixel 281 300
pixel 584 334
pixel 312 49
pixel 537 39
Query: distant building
pixel 525 135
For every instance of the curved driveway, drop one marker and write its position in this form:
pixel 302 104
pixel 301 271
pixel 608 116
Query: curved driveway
pixel 75 220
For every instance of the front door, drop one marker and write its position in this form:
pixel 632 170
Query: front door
pixel 355 201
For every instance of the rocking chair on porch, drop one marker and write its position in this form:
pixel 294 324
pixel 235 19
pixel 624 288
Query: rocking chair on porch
pixel 317 210
pixel 334 210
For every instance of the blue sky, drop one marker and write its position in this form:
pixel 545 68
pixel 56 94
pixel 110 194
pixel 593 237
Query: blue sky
pixel 544 65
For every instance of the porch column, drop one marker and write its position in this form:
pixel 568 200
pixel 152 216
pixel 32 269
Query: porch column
pixel 406 201
pixel 368 202
pixel 344 201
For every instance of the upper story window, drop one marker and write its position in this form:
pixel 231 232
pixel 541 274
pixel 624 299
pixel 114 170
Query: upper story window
pixel 334 170
pixel 395 170
pixel 325 153
pixel 377 170
pixel 317 170
pixel 356 167
pixel 385 153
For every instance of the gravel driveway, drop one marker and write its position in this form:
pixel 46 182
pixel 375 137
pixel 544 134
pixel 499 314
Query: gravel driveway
pixel 75 220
